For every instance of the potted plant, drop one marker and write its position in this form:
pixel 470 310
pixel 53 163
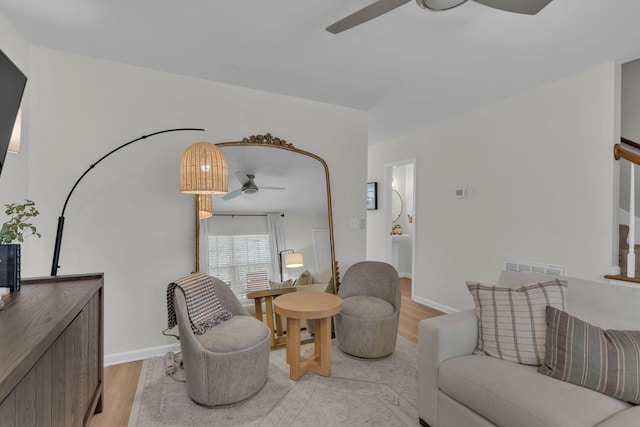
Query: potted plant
pixel 12 233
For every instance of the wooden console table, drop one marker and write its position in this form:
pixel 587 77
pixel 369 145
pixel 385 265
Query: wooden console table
pixel 52 352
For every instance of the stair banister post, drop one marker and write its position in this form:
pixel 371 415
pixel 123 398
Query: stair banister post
pixel 631 256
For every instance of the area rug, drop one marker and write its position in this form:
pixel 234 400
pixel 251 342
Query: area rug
pixel 358 392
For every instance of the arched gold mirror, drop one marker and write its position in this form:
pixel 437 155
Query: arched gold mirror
pixel 279 203
pixel 397 206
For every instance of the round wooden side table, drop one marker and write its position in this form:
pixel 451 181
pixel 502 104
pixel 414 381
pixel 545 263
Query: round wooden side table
pixel 319 306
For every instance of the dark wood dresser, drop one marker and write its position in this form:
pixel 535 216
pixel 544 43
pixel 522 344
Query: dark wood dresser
pixel 51 352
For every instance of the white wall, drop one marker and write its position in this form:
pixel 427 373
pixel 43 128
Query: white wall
pixel 540 179
pixel 128 218
pixel 298 233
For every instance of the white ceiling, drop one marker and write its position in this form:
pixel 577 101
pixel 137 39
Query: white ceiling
pixel 408 68
pixel 303 179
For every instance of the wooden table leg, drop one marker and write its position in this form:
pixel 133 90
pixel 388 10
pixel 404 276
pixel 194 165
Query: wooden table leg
pixel 293 349
pixel 279 331
pixel 322 351
pixel 268 302
pixel 258 304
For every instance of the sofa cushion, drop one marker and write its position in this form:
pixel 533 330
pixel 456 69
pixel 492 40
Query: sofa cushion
pixel 511 322
pixel 224 338
pixel 607 361
pixel 626 418
pixel 608 306
pixel 510 394
pixel 278 285
pixel 304 279
pixel 322 276
pixel 366 307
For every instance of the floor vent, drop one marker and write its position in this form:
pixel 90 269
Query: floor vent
pixel 530 267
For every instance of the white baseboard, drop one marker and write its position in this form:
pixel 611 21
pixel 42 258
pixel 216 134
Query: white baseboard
pixel 141 354
pixel 433 304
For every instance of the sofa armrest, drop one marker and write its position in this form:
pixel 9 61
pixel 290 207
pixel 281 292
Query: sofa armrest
pixel 441 338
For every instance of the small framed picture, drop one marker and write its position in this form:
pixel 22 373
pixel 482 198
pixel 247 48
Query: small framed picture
pixel 372 196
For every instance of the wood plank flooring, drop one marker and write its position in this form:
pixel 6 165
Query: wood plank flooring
pixel 121 381
pixel 411 313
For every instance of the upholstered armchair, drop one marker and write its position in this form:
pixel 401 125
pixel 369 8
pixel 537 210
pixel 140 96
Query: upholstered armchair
pixel 230 361
pixel 367 326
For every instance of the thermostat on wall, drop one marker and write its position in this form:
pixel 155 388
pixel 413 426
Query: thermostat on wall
pixel 461 192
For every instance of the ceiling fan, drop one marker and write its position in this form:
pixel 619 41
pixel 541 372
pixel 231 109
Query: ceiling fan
pixel 248 186
pixel 380 7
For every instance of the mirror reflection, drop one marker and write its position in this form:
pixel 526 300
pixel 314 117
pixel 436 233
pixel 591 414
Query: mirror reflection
pixel 396 206
pixel 273 228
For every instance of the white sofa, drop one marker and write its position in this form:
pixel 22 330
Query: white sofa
pixel 459 389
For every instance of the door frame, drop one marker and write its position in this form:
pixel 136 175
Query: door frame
pixel 387 190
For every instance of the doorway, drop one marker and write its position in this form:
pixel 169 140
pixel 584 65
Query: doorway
pixel 400 217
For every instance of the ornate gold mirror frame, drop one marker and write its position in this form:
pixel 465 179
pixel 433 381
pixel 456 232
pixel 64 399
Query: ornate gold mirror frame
pixel 278 144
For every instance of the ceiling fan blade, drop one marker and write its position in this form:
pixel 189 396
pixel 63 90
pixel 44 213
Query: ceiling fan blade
pixel 527 7
pixel 365 14
pixel 232 195
pixel 272 188
pixel 242 177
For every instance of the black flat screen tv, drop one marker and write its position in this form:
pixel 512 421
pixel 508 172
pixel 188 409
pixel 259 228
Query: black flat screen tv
pixel 12 84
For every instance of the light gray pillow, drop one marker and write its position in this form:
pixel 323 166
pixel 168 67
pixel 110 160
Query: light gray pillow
pixel 511 322
pixel 277 285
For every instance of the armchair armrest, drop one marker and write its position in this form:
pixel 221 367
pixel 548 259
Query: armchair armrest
pixel 441 338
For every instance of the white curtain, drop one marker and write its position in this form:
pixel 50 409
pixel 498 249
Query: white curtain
pixel 276 244
pixel 204 246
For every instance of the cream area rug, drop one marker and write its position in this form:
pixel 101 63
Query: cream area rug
pixel 358 392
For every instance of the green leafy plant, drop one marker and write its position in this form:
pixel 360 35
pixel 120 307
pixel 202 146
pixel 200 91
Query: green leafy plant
pixel 17 228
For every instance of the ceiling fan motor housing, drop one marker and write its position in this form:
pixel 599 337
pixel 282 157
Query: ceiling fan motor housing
pixel 250 190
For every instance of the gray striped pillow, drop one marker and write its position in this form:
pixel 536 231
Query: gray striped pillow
pixel 607 361
pixel 511 322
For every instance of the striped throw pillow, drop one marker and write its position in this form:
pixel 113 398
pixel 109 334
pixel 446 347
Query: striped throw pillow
pixel 607 361
pixel 511 322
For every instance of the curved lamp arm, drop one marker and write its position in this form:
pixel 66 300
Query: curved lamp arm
pixel 56 249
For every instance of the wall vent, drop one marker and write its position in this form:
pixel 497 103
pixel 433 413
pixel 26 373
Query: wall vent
pixel 530 267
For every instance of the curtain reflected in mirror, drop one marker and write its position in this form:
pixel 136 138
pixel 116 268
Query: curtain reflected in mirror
pixel 278 203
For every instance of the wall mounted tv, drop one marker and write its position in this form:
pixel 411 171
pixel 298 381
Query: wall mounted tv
pixel 12 83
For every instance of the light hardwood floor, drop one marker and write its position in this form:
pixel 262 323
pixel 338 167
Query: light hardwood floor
pixel 120 381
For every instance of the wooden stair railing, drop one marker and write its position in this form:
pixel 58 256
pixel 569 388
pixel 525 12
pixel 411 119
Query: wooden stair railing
pixel 620 153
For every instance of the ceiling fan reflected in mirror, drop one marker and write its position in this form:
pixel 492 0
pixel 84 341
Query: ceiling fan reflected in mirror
pixel 248 186
pixel 380 7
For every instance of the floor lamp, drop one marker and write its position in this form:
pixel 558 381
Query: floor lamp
pixel 292 259
pixel 58 243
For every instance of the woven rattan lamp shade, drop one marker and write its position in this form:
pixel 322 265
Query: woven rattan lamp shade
pixel 203 170
pixel 205 206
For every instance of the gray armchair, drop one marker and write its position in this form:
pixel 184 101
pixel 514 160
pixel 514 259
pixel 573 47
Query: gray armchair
pixel 229 362
pixel 367 326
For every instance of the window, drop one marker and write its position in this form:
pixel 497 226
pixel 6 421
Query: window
pixel 233 257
